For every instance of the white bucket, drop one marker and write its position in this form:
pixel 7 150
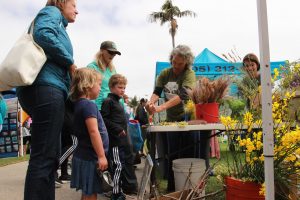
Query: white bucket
pixel 181 168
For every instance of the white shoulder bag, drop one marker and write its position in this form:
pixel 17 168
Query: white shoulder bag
pixel 22 63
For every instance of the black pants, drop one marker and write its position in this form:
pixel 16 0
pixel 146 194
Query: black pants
pixel 129 180
pixel 46 106
pixel 117 157
pixel 68 140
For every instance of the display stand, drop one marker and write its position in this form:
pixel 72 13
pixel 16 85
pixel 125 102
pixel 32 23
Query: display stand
pixel 9 136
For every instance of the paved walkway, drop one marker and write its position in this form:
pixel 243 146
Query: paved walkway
pixel 12 179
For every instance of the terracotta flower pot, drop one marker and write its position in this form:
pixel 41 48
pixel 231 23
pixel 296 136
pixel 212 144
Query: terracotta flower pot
pixel 237 190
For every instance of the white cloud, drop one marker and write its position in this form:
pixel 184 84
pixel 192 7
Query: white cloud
pixel 220 25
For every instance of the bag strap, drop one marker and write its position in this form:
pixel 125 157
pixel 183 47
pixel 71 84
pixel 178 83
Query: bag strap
pixel 30 29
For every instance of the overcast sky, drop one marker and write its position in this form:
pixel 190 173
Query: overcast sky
pixel 220 26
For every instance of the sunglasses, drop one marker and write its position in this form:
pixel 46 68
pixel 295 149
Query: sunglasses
pixel 111 52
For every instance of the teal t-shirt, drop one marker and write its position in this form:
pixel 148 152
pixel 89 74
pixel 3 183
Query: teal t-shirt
pixel 104 86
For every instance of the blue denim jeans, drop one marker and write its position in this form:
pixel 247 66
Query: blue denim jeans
pixel 45 105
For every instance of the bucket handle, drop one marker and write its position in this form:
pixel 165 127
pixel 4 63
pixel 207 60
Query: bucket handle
pixel 203 112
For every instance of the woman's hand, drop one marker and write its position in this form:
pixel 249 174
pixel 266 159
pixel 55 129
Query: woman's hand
pixel 72 69
pixel 123 133
pixel 150 107
pixel 102 163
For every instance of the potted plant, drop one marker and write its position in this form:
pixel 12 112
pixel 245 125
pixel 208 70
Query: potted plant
pixel 246 166
pixel 206 95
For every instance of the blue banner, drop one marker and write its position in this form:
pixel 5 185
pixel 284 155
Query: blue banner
pixel 212 69
pixel 215 70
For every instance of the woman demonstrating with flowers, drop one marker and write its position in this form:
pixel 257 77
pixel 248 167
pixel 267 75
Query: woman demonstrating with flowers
pixel 175 83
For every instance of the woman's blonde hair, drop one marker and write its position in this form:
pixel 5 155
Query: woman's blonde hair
pixel 82 81
pixel 117 79
pixel 99 58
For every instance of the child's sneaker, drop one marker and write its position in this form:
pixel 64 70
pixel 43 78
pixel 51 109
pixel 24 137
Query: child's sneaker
pixel 119 196
pixel 65 178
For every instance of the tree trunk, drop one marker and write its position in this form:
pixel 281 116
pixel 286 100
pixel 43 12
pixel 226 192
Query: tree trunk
pixel 173 30
pixel 173 41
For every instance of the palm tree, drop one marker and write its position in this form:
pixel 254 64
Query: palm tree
pixel 167 14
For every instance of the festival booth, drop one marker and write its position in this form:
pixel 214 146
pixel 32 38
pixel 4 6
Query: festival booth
pixel 206 64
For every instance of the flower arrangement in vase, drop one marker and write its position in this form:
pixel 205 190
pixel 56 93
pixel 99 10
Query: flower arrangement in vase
pixel 206 95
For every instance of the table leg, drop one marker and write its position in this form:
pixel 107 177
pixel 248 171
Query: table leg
pixel 152 154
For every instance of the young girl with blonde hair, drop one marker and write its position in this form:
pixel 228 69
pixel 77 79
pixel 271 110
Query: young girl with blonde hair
pixel 91 133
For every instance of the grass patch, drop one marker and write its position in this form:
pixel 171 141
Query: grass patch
pixel 12 160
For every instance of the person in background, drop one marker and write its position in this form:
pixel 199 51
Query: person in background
pixel 3 111
pixel 142 117
pixel 69 143
pixel 250 82
pixel 103 64
pixel 175 83
pixel 44 100
pixel 129 180
pixel 91 133
pixel 251 65
pixel 26 135
pixel 115 120
pixel 128 109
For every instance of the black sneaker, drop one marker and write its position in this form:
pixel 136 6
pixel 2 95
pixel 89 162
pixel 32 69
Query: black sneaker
pixel 58 183
pixel 119 196
pixel 65 178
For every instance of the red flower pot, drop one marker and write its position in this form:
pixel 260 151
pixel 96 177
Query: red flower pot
pixel 238 190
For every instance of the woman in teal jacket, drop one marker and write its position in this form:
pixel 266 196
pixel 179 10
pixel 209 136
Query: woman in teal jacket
pixel 44 100
pixel 3 110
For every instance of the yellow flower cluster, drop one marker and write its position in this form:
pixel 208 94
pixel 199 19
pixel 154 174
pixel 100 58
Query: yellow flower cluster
pixel 247 138
pixel 251 145
pixel 248 119
pixel 189 108
pixel 262 190
pixel 228 122
pixel 179 124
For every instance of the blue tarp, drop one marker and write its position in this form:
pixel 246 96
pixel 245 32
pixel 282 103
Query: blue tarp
pixel 206 56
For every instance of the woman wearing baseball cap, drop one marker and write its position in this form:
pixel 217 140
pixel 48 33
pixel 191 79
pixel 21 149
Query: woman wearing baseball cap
pixel 103 64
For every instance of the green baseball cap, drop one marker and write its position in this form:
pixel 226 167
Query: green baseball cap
pixel 110 46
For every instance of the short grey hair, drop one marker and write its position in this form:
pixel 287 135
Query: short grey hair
pixel 55 2
pixel 185 52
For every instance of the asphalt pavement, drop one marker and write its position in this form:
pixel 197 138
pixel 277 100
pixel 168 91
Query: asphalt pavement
pixel 12 178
